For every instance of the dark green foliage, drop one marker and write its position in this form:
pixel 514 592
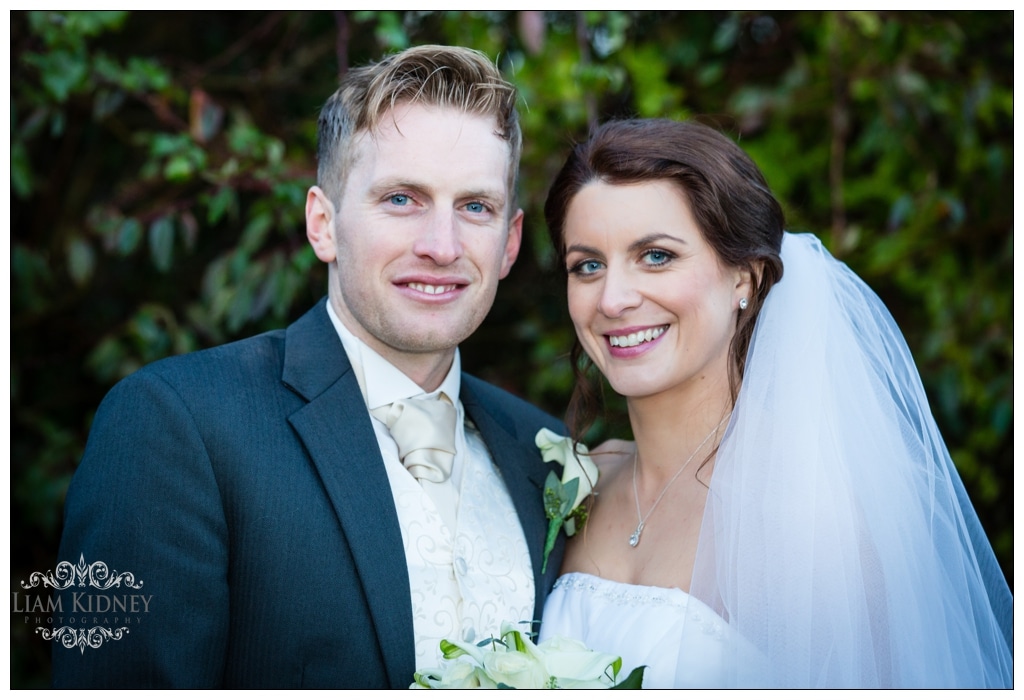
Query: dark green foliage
pixel 159 164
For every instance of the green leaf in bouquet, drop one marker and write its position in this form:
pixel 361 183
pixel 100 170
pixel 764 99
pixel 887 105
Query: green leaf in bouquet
pixel 451 651
pixel 634 681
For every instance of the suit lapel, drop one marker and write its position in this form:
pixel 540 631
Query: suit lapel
pixel 336 430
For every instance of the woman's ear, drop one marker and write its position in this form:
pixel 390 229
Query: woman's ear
pixel 748 280
pixel 320 224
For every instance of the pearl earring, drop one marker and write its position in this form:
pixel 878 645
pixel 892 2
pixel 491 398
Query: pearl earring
pixel 743 304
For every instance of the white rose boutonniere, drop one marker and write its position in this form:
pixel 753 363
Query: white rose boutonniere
pixel 563 498
pixel 514 661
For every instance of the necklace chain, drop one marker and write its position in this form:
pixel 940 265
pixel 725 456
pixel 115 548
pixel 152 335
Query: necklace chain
pixel 634 539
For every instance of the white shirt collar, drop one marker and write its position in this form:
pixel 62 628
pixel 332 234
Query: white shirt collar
pixel 380 381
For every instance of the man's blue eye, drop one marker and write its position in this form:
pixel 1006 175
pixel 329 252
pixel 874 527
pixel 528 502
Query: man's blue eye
pixel 399 200
pixel 476 207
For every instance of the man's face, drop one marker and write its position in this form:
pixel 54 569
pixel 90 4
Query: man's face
pixel 421 235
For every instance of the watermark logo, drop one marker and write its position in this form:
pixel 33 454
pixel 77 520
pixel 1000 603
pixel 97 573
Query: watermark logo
pixel 100 606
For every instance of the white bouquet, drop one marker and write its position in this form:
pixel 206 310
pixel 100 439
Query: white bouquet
pixel 514 661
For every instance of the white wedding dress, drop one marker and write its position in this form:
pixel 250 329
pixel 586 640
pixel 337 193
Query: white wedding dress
pixel 647 626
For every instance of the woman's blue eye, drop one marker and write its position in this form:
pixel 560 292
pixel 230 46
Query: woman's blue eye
pixel 399 200
pixel 585 267
pixel 657 257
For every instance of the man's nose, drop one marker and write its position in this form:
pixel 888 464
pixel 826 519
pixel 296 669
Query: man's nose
pixel 440 240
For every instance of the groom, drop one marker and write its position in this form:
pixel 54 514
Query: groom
pixel 320 506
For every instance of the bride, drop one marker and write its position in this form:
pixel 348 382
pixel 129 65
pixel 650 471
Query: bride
pixel 789 515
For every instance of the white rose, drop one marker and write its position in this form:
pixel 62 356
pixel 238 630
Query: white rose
pixel 557 448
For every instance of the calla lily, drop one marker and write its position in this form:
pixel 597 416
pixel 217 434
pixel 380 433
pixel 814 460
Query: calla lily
pixel 515 669
pixel 577 463
pixel 569 660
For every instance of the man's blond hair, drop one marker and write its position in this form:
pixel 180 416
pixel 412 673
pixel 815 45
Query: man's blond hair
pixel 448 77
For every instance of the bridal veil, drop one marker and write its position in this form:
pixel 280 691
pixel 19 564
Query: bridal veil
pixel 838 540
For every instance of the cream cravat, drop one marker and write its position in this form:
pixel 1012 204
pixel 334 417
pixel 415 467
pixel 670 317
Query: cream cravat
pixel 424 430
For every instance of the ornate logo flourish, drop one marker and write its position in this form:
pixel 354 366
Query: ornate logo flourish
pixel 96 575
pixel 70 637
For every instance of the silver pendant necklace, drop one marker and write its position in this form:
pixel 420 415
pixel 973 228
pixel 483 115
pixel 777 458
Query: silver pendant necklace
pixel 634 539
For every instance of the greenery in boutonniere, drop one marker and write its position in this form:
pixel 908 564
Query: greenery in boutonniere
pixel 563 498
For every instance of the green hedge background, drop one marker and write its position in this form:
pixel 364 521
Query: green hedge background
pixel 159 163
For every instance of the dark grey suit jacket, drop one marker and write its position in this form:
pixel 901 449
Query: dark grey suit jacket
pixel 244 486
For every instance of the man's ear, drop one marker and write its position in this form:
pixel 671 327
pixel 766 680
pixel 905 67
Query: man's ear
pixel 515 240
pixel 320 224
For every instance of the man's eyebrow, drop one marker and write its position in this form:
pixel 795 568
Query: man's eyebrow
pixel 389 184
pixel 495 196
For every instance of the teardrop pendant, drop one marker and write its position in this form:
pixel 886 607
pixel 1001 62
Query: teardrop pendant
pixel 634 539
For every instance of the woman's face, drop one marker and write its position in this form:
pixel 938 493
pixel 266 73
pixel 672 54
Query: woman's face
pixel 652 305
